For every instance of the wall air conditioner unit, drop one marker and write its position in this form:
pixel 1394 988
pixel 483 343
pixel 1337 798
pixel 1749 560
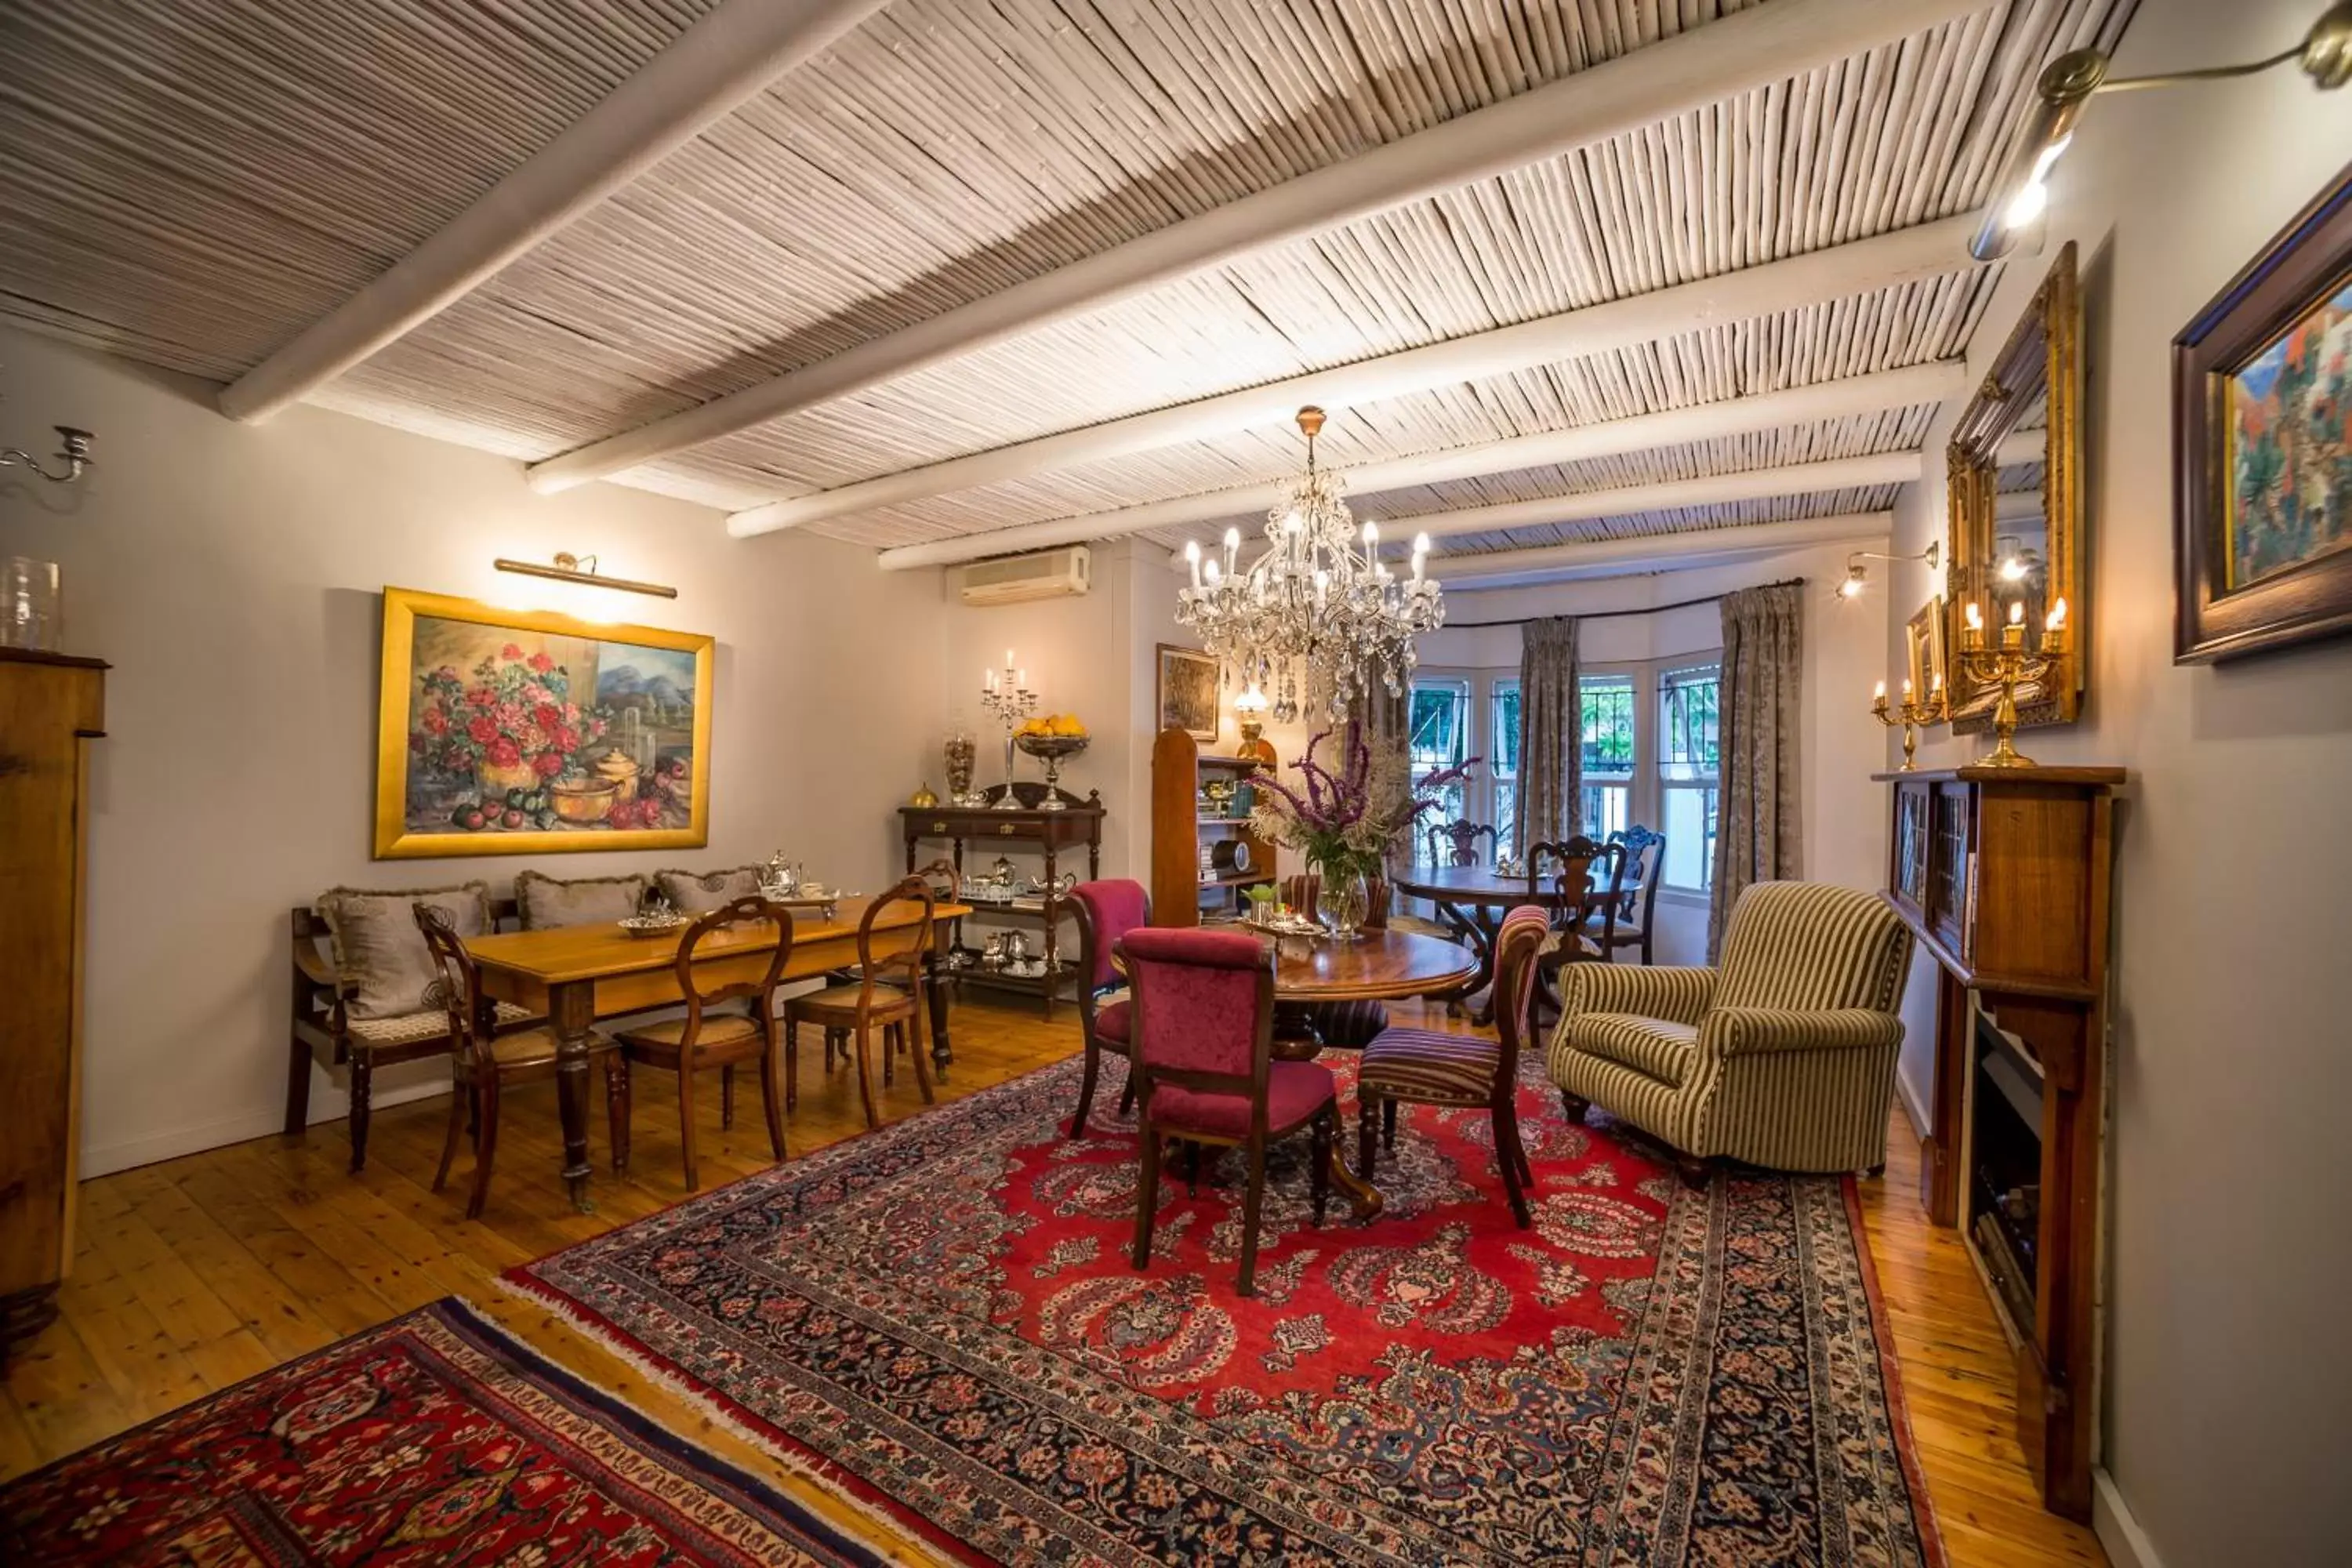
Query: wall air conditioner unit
pixel 1048 575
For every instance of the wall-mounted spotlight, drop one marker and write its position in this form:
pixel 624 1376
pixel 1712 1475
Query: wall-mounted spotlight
pixel 2072 80
pixel 570 568
pixel 1857 575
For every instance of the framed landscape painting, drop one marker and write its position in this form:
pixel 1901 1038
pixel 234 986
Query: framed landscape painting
pixel 2262 428
pixel 512 732
pixel 1188 692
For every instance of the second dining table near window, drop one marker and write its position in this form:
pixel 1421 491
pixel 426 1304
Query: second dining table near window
pixel 577 975
pixel 1475 899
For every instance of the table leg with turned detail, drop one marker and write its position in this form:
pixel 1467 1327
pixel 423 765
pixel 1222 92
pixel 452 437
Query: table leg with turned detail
pixel 1297 1039
pixel 571 1011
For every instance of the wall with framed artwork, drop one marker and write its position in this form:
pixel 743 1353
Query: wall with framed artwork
pixel 2222 1434
pixel 235 578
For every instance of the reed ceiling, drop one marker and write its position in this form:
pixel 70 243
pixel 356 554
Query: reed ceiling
pixel 193 182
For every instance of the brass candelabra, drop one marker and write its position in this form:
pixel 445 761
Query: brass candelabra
pixel 2009 666
pixel 1912 714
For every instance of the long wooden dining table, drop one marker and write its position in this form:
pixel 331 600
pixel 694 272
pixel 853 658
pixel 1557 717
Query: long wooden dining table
pixel 577 975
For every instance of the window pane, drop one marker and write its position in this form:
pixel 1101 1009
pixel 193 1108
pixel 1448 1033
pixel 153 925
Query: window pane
pixel 1690 836
pixel 1606 808
pixel 1507 813
pixel 1503 746
pixel 1438 709
pixel 1687 733
pixel 1606 704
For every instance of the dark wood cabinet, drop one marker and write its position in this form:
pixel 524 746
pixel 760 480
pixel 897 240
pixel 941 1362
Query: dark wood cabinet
pixel 2004 875
pixel 50 706
pixel 1070 823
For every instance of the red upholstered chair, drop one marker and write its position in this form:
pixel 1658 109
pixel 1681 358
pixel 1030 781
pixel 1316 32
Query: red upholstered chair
pixel 1202 1054
pixel 1104 911
pixel 1426 1067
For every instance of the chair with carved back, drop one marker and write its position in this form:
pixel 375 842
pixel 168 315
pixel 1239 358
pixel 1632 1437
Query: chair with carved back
pixel 485 1061
pixel 1431 1067
pixel 1587 880
pixel 885 998
pixel 724 1025
pixel 1204 1056
pixel 1104 911
pixel 1456 843
pixel 1637 914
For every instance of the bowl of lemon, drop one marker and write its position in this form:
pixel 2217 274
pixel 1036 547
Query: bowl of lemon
pixel 1052 739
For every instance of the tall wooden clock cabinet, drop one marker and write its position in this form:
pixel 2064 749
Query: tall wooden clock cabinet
pixel 2004 875
pixel 50 706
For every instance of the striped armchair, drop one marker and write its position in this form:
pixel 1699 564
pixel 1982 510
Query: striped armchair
pixel 1783 1057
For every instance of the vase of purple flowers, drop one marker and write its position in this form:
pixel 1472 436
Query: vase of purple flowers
pixel 1343 821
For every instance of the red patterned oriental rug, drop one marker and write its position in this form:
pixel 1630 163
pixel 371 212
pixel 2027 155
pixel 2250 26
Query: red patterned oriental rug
pixel 436 1439
pixel 941 1316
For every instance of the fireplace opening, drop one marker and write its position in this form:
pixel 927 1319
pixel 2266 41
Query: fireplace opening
pixel 2005 1167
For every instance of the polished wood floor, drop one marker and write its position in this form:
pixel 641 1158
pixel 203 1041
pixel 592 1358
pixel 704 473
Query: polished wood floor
pixel 197 1272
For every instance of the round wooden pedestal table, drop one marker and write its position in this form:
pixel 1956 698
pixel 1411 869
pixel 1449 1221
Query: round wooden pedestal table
pixel 1378 966
pixel 1473 899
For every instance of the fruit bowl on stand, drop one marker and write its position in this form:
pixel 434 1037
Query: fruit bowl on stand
pixel 1050 750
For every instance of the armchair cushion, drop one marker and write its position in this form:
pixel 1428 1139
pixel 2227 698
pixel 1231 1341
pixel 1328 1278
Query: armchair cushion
pixel 1677 995
pixel 1751 1031
pixel 1662 1049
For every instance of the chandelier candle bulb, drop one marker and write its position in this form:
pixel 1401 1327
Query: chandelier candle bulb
pixel 1192 559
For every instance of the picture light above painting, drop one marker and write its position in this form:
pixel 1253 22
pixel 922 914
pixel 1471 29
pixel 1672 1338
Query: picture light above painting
pixel 512 732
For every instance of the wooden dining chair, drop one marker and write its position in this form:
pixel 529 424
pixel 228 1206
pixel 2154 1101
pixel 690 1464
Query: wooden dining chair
pixel 1646 867
pixel 1204 1060
pixel 724 1025
pixel 1456 843
pixel 1431 1067
pixel 483 1062
pixel 1583 926
pixel 886 995
pixel 1105 911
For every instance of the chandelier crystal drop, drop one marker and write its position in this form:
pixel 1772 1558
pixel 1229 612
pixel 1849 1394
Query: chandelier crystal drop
pixel 1317 612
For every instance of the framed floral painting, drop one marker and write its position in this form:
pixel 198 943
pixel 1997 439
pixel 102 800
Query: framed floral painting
pixel 2263 436
pixel 511 732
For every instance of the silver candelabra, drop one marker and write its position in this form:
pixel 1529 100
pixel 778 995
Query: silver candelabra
pixel 1006 694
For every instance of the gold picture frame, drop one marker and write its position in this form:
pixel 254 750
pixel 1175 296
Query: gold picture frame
pixel 1924 647
pixel 1188 692
pixel 529 732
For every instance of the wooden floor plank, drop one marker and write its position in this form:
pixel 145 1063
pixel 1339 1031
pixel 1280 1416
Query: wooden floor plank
pixel 202 1270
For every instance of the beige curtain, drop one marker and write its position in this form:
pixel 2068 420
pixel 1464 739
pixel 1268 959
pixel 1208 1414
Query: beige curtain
pixel 1551 735
pixel 1385 720
pixel 1758 810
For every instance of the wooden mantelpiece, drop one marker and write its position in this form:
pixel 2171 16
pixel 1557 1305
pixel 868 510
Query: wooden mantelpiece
pixel 50 706
pixel 2004 875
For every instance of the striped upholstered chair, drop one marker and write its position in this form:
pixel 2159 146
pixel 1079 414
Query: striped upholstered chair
pixel 1783 1057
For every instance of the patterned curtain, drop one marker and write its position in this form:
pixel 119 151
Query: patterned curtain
pixel 1387 731
pixel 1551 735
pixel 1756 828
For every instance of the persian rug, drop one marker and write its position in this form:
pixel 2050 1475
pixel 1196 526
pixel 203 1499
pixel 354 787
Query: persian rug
pixel 434 1439
pixel 941 1317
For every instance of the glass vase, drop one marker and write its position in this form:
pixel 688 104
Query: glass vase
pixel 1343 900
pixel 28 604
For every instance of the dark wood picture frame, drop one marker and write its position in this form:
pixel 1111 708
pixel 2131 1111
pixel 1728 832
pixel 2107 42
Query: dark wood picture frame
pixel 1188 701
pixel 2304 264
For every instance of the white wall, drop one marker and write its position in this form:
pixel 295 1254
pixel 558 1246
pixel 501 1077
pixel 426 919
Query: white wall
pixel 231 577
pixel 2228 1393
pixel 1844 824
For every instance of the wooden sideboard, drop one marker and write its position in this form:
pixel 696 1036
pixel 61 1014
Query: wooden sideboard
pixel 1181 895
pixel 1073 823
pixel 2004 875
pixel 50 704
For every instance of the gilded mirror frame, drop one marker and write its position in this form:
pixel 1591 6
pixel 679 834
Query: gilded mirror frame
pixel 2040 365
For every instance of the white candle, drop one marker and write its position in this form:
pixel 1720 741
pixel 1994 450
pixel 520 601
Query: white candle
pixel 1936 685
pixel 1233 548
pixel 1878 693
pixel 987 679
pixel 1907 687
pixel 2057 614
pixel 1212 573
pixel 1192 559
pixel 1021 680
pixel 2017 612
pixel 1008 659
pixel 1371 534
pixel 1976 618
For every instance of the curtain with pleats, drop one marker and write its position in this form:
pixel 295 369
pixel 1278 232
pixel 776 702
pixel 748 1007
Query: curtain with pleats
pixel 1551 735
pixel 1758 810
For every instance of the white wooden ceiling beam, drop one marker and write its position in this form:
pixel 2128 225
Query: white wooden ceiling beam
pixel 1838 272
pixel 1749 49
pixel 706 71
pixel 1657 552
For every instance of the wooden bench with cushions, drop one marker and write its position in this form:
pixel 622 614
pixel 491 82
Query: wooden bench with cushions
pixel 365 1000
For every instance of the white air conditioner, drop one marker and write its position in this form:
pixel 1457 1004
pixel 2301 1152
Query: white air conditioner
pixel 1048 575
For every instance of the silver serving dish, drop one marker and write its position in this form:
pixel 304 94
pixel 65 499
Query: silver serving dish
pixel 655 925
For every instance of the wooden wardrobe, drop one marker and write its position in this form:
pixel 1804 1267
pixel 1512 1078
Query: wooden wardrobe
pixel 50 704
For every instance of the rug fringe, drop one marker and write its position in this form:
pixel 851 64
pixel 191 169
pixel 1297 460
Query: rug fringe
pixel 898 1543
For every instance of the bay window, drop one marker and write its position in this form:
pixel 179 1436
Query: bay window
pixel 1687 750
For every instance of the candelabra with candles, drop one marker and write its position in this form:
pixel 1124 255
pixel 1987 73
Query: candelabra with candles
pixel 2010 666
pixel 1913 715
pixel 1006 694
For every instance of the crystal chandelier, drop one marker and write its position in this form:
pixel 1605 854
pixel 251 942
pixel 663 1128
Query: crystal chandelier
pixel 1319 612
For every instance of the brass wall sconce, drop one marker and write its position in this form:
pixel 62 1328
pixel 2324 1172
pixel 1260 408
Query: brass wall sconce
pixel 2010 666
pixel 1913 714
pixel 2071 81
pixel 1857 575
pixel 570 568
